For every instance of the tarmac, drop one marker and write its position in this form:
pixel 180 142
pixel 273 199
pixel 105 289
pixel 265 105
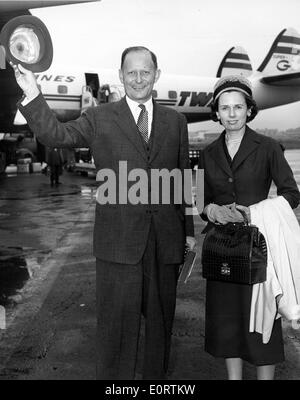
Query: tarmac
pixel 47 286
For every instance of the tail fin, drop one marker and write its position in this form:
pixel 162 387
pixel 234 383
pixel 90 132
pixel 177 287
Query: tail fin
pixel 284 54
pixel 235 62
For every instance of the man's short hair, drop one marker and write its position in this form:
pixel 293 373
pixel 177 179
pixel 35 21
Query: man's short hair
pixel 138 48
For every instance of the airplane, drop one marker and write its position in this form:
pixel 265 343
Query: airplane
pixel 276 82
pixel 68 92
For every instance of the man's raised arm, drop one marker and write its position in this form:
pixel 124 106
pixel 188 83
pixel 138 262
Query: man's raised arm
pixel 43 122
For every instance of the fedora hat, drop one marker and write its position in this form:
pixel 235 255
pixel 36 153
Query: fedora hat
pixel 27 41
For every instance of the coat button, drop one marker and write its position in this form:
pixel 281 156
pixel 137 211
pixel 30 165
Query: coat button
pixel 230 180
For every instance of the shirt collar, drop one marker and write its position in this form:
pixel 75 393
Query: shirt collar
pixel 134 105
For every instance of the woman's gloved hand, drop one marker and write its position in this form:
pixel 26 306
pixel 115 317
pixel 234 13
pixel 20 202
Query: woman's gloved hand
pixel 240 212
pixel 222 214
pixel 245 210
pixel 227 213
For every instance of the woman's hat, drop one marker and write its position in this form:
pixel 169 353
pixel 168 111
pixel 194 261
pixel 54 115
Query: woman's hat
pixel 232 82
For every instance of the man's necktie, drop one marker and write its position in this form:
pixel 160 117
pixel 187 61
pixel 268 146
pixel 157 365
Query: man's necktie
pixel 142 122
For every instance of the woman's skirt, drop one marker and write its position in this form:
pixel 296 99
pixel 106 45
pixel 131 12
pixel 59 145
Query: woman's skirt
pixel 227 326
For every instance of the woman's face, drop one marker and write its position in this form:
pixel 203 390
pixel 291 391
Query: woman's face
pixel 233 111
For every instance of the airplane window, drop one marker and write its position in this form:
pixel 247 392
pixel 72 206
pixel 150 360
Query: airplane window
pixel 172 94
pixel 62 89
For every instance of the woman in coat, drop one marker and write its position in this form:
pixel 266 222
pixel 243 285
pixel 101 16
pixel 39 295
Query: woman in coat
pixel 239 168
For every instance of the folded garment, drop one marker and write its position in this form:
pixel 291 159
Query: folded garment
pixel 279 295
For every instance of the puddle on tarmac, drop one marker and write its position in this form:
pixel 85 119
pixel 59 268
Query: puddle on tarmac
pixel 43 191
pixel 89 191
pixel 17 265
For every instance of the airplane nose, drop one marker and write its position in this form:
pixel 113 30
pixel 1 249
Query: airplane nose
pixel 27 41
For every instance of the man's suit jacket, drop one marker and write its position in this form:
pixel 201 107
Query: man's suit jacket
pixel 259 160
pixel 109 130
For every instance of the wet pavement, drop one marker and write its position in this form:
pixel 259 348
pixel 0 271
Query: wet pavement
pixel 44 232
pixel 47 286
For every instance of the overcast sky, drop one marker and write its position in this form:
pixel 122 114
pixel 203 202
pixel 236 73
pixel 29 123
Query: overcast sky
pixel 189 36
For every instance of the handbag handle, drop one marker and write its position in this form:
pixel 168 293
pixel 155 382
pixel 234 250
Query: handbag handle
pixel 246 222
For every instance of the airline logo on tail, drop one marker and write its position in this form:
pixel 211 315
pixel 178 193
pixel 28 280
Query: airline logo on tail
pixel 284 54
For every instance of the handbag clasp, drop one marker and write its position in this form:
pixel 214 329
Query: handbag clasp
pixel 225 269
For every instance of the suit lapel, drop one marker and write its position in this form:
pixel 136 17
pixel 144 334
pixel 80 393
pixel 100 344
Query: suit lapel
pixel 248 144
pixel 218 154
pixel 125 120
pixel 159 131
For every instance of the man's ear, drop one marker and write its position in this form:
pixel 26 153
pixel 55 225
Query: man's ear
pixel 157 75
pixel 121 76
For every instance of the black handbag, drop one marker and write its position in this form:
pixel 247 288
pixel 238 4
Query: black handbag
pixel 236 253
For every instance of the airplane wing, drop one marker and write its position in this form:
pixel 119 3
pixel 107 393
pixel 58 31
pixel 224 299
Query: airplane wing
pixel 5 16
pixel 11 9
pixel 292 78
pixel 13 5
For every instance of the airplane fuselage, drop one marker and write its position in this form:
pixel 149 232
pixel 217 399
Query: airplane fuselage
pixel 189 95
pixel 63 90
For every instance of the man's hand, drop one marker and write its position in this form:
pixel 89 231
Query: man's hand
pixel 26 80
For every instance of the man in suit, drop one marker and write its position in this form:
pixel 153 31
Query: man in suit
pixel 138 245
pixel 55 162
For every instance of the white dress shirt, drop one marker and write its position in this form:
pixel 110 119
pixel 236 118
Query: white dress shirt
pixel 26 101
pixel 135 110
